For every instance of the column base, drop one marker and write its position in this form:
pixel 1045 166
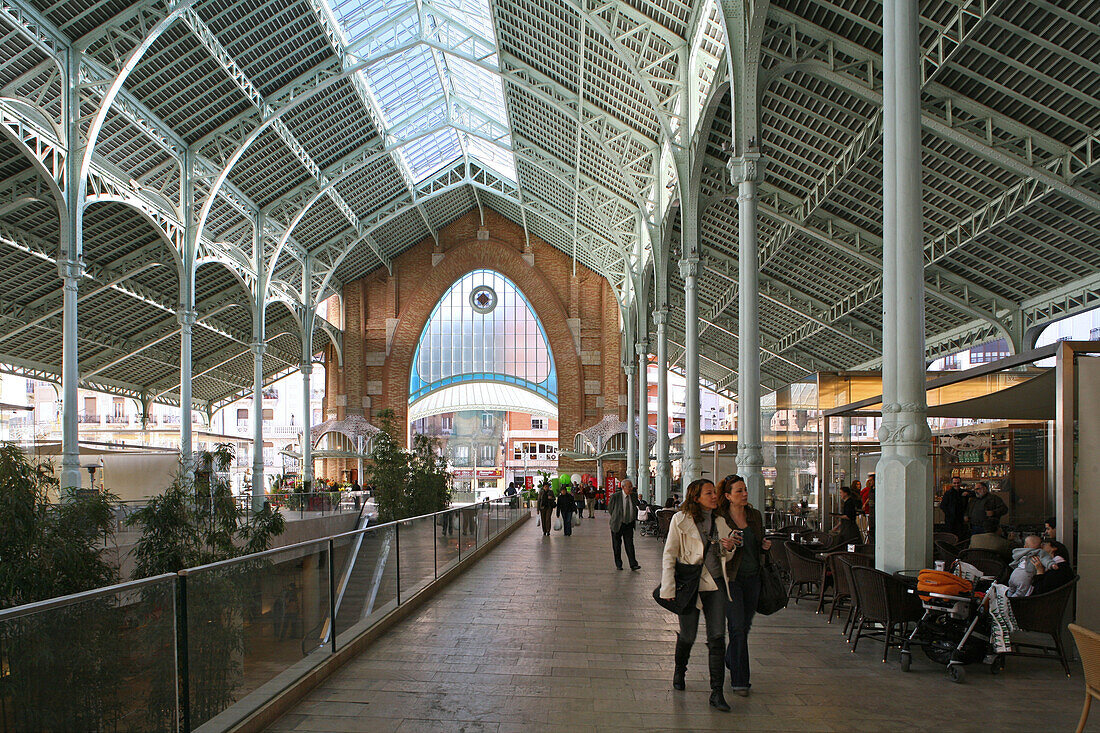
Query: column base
pixel 903 510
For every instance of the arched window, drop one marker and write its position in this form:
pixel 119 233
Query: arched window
pixel 484 330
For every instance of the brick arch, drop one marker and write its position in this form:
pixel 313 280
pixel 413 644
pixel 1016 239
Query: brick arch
pixel 546 302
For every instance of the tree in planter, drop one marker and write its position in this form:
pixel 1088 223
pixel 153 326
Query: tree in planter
pixel 196 521
pixel 389 470
pixel 430 485
pixel 47 550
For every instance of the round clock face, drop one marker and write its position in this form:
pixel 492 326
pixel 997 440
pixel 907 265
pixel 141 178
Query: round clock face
pixel 483 299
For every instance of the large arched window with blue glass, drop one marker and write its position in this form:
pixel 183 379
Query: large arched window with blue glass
pixel 483 329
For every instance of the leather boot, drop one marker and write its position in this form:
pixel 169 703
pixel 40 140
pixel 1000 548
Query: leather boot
pixel 716 656
pixel 683 651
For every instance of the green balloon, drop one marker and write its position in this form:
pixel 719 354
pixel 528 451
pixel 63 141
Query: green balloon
pixel 564 479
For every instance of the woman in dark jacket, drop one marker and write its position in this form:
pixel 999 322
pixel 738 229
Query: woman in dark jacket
pixel 1058 574
pixel 566 506
pixel 546 505
pixel 849 508
pixel 743 570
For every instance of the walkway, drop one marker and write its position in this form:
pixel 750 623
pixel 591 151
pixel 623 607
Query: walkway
pixel 543 634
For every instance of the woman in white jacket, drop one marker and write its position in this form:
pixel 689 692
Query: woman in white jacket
pixel 698 536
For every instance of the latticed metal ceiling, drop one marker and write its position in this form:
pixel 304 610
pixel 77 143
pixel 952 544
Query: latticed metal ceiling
pixel 341 134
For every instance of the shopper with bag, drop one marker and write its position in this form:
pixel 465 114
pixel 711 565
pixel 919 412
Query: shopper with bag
pixel 567 505
pixel 743 570
pixel 699 536
pixel 623 507
pixel 546 505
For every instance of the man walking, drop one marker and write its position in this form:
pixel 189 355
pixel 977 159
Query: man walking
pixel 985 510
pixel 590 498
pixel 623 507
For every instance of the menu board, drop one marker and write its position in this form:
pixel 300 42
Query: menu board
pixel 1029 447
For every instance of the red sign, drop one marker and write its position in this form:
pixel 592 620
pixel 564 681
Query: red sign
pixel 529 482
pixel 490 473
pixel 462 473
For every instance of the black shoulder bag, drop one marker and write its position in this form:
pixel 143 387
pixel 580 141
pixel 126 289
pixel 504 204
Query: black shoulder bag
pixel 773 593
pixel 687 588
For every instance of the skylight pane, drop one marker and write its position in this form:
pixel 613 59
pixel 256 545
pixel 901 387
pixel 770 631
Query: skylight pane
pixel 431 154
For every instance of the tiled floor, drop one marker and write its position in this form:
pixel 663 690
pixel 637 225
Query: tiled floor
pixel 545 634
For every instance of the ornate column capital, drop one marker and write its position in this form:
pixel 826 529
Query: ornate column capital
pixel 306 368
pixel 660 317
pixel 747 168
pixel 258 348
pixel 641 348
pixel 186 317
pixel 689 267
pixel 904 423
pixel 629 365
pixel 70 270
pixel 750 456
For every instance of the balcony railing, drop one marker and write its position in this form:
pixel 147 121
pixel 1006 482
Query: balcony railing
pixel 86 418
pixel 118 419
pixel 122 654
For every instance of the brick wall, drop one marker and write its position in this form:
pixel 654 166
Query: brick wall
pixel 384 315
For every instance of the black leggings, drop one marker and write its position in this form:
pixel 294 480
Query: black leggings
pixel 714 611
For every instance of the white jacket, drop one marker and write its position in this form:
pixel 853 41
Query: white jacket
pixel 685 545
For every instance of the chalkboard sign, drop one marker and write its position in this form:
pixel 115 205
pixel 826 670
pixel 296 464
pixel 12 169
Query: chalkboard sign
pixel 1030 449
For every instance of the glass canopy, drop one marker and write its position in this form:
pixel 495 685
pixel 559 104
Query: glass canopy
pixel 436 101
pixel 484 330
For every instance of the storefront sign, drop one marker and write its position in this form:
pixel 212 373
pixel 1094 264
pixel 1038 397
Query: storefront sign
pixel 462 473
pixel 490 473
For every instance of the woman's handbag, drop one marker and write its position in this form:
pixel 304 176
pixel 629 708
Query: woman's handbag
pixel 687 588
pixel 557 523
pixel 773 593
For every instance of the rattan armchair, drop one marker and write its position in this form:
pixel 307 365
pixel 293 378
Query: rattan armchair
pixel 884 600
pixel 1088 644
pixel 806 572
pixel 1044 614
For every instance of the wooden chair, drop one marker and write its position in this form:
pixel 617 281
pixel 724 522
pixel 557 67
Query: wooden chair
pixel 945 551
pixel 947 537
pixel 664 521
pixel 1088 644
pixel 1043 614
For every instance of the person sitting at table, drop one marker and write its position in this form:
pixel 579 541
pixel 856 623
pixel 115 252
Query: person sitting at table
pixel 994 540
pixel 846 524
pixel 1057 574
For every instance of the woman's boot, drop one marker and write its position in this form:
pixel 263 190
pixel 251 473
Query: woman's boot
pixel 716 649
pixel 683 651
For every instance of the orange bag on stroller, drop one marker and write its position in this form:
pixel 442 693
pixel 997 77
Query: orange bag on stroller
pixel 939 581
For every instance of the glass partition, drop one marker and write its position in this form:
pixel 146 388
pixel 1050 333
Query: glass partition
pixel 251 619
pixel 366 565
pixel 448 542
pixel 416 539
pixel 102 660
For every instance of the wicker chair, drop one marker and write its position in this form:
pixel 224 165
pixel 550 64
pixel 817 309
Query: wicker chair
pixel 970 555
pixel 945 551
pixel 664 521
pixel 993 567
pixel 947 537
pixel 1043 613
pixel 842 587
pixel 884 600
pixel 806 572
pixel 789 529
pixel 846 562
pixel 1088 644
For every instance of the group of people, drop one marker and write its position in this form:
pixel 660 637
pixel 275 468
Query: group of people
pixel 971 511
pixel 569 501
pixel 718 529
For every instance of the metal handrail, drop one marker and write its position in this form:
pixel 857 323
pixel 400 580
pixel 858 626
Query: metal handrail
pixel 27 609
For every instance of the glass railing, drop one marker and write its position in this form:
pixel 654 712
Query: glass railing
pixel 202 649
pixel 101 660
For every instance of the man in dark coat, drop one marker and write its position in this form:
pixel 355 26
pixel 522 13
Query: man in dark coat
pixel 953 504
pixel 985 510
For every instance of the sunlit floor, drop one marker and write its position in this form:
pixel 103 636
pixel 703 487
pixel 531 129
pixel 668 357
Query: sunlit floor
pixel 545 634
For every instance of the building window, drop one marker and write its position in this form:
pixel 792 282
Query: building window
pixel 486 421
pixel 448 424
pixel 269 414
pixel 462 456
pixel 538 423
pixel 487 455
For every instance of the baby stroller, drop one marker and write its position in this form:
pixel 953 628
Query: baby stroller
pixel 647 521
pixel 955 629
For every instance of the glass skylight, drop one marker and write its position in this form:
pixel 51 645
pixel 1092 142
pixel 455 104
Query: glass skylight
pixel 445 105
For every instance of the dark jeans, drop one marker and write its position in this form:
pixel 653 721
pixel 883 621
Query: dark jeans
pixel 745 591
pixel 545 515
pixel 714 612
pixel 567 522
pixel 625 536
